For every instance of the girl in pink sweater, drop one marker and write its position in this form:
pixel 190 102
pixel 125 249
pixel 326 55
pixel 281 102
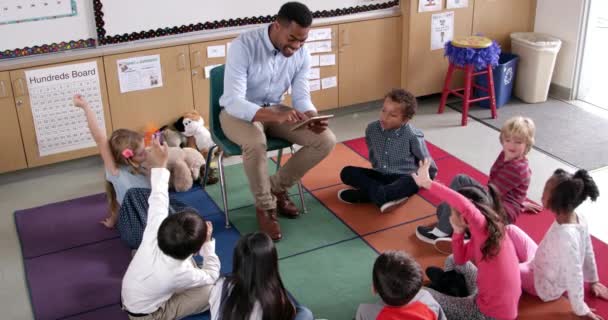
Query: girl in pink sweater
pixel 488 261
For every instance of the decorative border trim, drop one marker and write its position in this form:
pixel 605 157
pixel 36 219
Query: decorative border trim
pixel 47 48
pixel 161 32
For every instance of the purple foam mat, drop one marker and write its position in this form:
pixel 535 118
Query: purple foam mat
pixel 84 278
pixel 42 232
pixel 113 312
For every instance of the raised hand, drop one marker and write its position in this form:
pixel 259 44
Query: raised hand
pixel 422 177
pixel 158 155
pixel 80 101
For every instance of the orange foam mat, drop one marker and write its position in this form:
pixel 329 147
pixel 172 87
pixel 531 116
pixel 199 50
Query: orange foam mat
pixel 366 218
pixel 327 172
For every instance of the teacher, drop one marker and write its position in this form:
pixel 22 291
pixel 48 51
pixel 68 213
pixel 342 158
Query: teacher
pixel 261 65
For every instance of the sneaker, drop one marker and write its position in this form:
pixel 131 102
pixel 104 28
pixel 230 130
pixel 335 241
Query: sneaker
pixel 444 244
pixel 392 205
pixel 429 234
pixel 350 196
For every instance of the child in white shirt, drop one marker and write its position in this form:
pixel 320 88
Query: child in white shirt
pixel 162 281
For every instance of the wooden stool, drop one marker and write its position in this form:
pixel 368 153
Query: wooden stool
pixel 472 42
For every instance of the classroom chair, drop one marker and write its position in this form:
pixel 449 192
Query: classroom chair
pixel 228 147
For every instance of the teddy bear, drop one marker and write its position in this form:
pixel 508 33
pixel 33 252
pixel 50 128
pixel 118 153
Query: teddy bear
pixel 192 126
pixel 185 166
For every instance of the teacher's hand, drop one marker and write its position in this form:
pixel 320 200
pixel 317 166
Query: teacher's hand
pixel 316 126
pixel 288 116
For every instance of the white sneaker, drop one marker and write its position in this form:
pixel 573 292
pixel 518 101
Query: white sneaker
pixel 392 205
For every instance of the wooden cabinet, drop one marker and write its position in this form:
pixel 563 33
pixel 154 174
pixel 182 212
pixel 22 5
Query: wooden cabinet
pixel 26 119
pixel 142 110
pixel 199 60
pixel 497 19
pixel 13 156
pixel 369 59
pixel 423 72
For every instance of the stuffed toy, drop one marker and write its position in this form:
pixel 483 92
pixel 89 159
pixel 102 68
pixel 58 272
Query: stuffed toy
pixel 172 138
pixel 191 124
pixel 185 167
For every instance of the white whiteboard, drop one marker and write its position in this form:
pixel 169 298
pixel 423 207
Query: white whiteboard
pixel 48 31
pixel 122 16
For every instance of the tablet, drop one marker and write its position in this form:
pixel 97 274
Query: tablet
pixel 313 119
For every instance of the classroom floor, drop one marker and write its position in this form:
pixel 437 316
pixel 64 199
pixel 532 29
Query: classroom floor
pixel 475 144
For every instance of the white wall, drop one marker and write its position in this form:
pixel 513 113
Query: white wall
pixel 562 19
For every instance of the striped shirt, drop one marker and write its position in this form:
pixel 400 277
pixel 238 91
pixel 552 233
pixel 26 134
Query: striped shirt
pixel 512 179
pixel 397 151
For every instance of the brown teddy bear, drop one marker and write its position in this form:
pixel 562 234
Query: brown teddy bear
pixel 185 167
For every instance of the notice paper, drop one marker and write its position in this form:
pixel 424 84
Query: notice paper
pixel 429 5
pixel 455 4
pixel 315 73
pixel 59 125
pixel 139 73
pixel 314 61
pixel 329 82
pixel 442 29
pixel 327 60
pixel 319 34
pixel 318 46
pixel 315 85
pixel 216 51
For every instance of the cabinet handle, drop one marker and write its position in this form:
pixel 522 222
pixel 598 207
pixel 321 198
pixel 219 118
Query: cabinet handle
pixel 181 61
pixel 194 73
pixel 3 93
pixel 20 87
pixel 197 57
pixel 19 103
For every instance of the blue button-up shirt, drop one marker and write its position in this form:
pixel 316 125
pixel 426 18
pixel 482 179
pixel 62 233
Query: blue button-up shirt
pixel 258 74
pixel 397 151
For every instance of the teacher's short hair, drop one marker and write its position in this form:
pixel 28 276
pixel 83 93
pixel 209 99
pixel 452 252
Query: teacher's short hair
pixel 295 11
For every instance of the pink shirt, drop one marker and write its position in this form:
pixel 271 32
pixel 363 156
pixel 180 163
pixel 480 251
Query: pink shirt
pixel 498 279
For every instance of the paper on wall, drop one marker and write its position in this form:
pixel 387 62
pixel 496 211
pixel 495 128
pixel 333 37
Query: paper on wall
pixel 442 29
pixel 315 85
pixel 327 59
pixel 59 125
pixel 318 46
pixel 216 51
pixel 315 73
pixel 455 4
pixel 139 73
pixel 209 68
pixel 319 34
pixel 429 5
pixel 329 82
pixel 314 61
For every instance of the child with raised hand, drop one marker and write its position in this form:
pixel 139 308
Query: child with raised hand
pixel 397 278
pixel 395 148
pixel 122 155
pixel 489 255
pixel 510 174
pixel 163 280
pixel 564 260
pixel 254 290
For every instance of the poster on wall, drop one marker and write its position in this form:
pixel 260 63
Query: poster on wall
pixel 139 73
pixel 59 125
pixel 455 4
pixel 18 11
pixel 429 5
pixel 442 29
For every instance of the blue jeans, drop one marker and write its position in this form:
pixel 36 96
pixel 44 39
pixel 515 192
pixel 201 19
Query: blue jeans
pixel 379 187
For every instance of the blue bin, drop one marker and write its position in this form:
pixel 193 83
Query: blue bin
pixel 504 76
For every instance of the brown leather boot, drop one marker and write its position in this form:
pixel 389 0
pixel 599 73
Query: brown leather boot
pixel 285 206
pixel 268 223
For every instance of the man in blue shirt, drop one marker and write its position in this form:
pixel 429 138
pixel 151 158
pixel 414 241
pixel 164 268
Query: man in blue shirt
pixel 261 65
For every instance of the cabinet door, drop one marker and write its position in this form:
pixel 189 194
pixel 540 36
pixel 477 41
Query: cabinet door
pixel 202 57
pixel 13 156
pixel 425 71
pixel 497 19
pixel 145 109
pixel 370 59
pixel 26 118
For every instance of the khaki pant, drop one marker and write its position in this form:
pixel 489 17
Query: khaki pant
pixel 180 305
pixel 251 137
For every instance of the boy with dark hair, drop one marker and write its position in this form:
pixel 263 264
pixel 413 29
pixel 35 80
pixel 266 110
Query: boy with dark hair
pixel 397 278
pixel 395 149
pixel 163 281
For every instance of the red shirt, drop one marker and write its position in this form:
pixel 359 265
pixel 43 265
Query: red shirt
pixel 413 311
pixel 512 179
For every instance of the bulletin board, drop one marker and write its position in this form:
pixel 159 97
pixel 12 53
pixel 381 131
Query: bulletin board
pixel 123 21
